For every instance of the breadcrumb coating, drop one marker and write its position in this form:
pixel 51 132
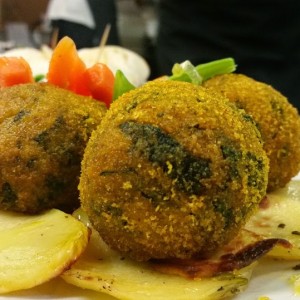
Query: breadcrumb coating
pixel 277 120
pixel 172 171
pixel 43 132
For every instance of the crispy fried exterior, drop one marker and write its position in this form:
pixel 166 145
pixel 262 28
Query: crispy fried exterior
pixel 43 134
pixel 172 171
pixel 277 119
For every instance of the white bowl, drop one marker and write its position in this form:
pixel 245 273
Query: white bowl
pixel 130 63
pixel 134 66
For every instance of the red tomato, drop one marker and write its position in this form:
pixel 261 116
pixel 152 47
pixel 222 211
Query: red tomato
pixel 66 69
pixel 14 70
pixel 100 81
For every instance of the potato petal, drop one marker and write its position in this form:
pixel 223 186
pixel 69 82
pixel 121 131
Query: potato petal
pixel 295 281
pixel 103 270
pixel 279 217
pixel 36 248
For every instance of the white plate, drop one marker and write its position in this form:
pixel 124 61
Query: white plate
pixel 270 279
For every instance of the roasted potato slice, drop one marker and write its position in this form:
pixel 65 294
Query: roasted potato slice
pixel 279 217
pixel 103 270
pixel 36 248
pixel 295 281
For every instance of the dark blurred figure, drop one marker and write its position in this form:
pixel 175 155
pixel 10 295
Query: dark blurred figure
pixel 84 20
pixel 263 36
pixel 105 12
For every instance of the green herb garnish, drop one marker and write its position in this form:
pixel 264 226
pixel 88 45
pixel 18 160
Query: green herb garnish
pixel 200 73
pixel 39 77
pixel 121 85
pixel 185 71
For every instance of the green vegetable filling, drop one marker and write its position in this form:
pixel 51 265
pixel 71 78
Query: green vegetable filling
pixel 55 185
pixel 233 156
pixel 19 116
pixel 44 138
pixel 7 194
pixel 225 210
pixel 177 163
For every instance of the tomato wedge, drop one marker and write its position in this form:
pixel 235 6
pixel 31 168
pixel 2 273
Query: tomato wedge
pixel 14 70
pixel 66 69
pixel 100 81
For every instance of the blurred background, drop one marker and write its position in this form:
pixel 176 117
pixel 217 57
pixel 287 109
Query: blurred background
pixel 263 36
pixel 23 24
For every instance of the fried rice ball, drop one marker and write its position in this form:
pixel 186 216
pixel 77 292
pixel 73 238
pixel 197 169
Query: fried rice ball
pixel 43 133
pixel 173 171
pixel 277 119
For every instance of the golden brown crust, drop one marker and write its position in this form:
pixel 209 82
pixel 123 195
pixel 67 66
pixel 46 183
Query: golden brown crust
pixel 277 119
pixel 43 130
pixel 172 171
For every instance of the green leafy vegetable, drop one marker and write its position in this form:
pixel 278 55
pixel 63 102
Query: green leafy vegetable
pixel 121 85
pixel 39 77
pixel 186 71
pixel 197 74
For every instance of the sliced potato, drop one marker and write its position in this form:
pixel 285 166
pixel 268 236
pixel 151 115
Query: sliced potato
pixel 103 270
pixel 279 217
pixel 34 249
pixel 295 280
